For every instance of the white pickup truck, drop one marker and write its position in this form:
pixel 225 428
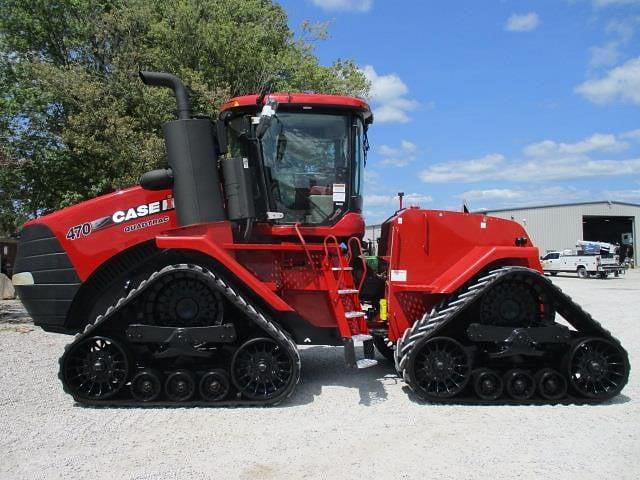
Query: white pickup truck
pixel 583 265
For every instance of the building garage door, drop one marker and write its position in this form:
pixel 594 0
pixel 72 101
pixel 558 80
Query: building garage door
pixel 606 229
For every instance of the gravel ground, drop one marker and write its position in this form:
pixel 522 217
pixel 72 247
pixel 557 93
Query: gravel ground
pixel 337 425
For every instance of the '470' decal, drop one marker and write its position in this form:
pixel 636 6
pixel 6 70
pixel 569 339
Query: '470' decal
pixel 79 231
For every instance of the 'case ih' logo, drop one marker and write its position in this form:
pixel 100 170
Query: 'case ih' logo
pixel 143 210
pixel 85 229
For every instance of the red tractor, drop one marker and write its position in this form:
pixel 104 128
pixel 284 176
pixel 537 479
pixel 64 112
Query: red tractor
pixel 196 287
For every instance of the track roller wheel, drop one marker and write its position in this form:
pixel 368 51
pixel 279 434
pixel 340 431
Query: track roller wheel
pixel 261 369
pixel 96 368
pixel 598 368
pixel 438 368
pixel 180 386
pixel 552 385
pixel 214 385
pixel 487 384
pixel 520 384
pixel 146 385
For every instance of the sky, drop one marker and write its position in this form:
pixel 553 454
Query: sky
pixel 496 103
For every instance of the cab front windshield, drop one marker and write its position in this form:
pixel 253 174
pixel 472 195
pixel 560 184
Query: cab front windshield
pixel 306 159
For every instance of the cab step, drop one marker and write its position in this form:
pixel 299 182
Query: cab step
pixel 347 291
pixel 368 350
pixel 355 314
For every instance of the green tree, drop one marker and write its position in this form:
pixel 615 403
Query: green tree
pixel 75 120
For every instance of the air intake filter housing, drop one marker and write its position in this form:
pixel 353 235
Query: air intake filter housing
pixel 192 156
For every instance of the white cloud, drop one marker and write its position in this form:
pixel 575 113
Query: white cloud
pixel 416 199
pixel 398 156
pixel 522 22
pixel 507 198
pixel 345 5
pixel 609 3
pixel 371 176
pixel 623 195
pixel 632 135
pixel 623 29
pixel 597 142
pixel 377 200
pixel 463 171
pixel 491 194
pixel 543 161
pixel 389 93
pixel 531 171
pixel 622 83
pixel 605 56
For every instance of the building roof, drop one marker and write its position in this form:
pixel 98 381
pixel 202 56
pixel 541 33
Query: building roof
pixel 559 205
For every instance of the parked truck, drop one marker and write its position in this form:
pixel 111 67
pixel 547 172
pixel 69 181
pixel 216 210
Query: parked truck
pixel 583 265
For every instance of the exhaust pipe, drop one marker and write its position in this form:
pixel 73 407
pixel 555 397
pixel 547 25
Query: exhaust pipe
pixel 160 79
pixel 192 155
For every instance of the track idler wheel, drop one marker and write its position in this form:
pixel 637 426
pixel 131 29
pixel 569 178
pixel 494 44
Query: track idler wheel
pixel 552 385
pixel 214 385
pixel 438 368
pixel 487 384
pixel 95 368
pixel 146 385
pixel 519 384
pixel 598 368
pixel 261 369
pixel 180 386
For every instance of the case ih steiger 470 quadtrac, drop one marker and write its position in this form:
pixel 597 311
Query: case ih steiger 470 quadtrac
pixel 196 287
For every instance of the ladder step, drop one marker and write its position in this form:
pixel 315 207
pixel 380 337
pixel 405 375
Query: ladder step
pixel 337 269
pixel 347 291
pixel 354 314
pixel 366 363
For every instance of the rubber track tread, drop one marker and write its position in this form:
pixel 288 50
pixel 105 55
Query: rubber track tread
pixel 231 293
pixel 432 323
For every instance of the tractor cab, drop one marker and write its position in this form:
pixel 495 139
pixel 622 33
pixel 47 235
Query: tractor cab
pixel 305 154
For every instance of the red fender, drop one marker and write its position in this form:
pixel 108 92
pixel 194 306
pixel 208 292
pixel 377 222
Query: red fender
pixel 207 240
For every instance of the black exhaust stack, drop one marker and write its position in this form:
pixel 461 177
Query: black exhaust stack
pixel 192 155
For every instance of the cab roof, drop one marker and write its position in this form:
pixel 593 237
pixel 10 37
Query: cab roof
pixel 311 99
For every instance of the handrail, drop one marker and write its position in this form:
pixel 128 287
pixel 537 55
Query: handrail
pixel 326 255
pixel 361 256
pixel 296 226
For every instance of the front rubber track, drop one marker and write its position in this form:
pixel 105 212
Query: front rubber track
pixel 266 326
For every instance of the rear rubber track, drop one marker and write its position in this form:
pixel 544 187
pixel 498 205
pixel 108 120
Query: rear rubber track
pixel 445 314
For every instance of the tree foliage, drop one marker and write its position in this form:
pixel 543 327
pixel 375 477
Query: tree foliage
pixel 75 120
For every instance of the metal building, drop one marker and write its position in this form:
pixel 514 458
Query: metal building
pixel 371 235
pixel 558 227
